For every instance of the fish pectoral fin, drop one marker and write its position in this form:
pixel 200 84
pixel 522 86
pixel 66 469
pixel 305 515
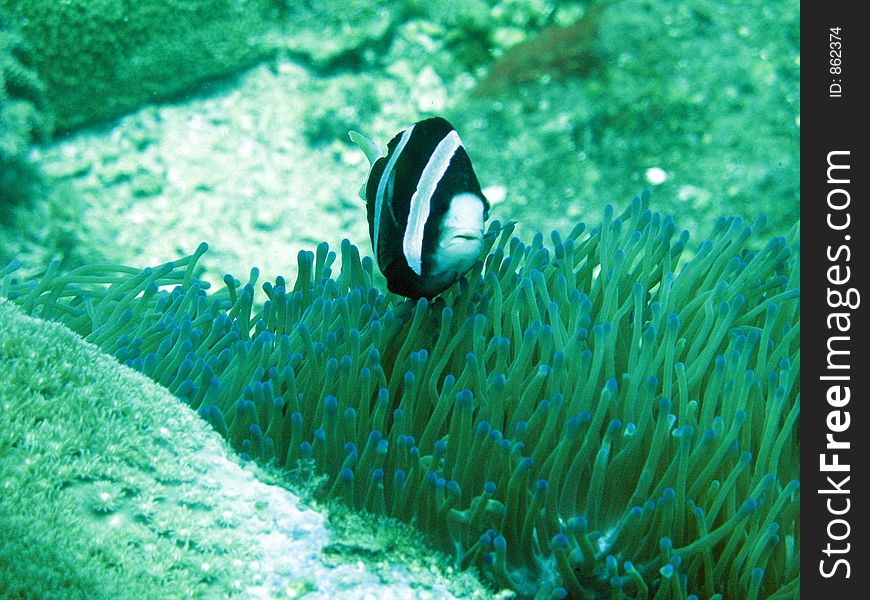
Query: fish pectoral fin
pixel 367 145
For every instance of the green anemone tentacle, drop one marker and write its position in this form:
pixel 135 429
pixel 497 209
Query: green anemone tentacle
pixel 599 416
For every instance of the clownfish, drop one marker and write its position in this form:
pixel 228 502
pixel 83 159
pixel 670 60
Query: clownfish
pixel 424 206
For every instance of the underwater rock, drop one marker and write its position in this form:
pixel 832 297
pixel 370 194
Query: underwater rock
pixel 119 171
pixel 147 184
pixel 72 167
pixel 330 36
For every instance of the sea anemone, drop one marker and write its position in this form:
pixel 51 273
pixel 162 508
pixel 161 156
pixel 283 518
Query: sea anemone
pixel 600 417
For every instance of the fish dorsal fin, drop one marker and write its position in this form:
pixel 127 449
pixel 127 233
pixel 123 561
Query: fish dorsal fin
pixel 367 145
pixel 369 148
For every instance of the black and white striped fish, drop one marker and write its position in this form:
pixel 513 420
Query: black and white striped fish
pixel 425 208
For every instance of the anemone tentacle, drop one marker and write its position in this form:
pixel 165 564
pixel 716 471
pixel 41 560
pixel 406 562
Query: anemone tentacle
pixel 598 418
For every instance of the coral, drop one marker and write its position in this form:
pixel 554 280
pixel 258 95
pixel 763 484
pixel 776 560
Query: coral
pixel 25 118
pixel 105 497
pixel 24 113
pixel 113 489
pixel 604 417
pixel 69 461
pixel 100 58
pixel 329 36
